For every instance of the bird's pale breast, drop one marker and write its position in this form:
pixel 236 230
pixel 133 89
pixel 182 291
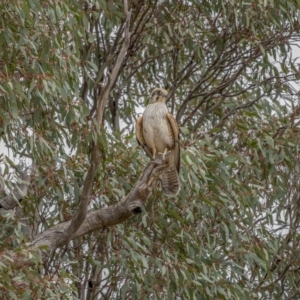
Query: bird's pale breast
pixel 156 128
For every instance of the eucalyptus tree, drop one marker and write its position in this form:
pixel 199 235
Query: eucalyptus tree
pixel 82 215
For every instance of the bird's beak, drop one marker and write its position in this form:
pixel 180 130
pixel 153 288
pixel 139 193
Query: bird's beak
pixel 164 95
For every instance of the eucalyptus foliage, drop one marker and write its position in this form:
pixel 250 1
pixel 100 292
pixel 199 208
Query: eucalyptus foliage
pixel 232 72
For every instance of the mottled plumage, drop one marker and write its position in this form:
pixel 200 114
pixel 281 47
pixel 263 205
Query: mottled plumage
pixel 157 132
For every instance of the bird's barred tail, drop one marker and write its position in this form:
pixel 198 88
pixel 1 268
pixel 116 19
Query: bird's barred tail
pixel 170 181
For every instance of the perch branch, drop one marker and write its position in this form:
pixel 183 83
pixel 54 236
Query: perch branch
pixel 127 207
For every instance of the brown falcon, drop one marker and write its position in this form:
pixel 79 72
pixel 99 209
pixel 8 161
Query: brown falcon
pixel 157 132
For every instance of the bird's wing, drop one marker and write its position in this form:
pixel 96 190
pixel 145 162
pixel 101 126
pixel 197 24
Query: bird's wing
pixel 175 129
pixel 139 131
pixel 140 136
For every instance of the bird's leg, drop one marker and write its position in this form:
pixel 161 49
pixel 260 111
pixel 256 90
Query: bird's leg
pixel 164 154
pixel 154 152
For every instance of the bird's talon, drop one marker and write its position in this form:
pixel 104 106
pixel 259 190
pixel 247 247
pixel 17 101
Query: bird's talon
pixel 161 155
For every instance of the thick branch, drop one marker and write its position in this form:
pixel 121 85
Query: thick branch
pixel 129 206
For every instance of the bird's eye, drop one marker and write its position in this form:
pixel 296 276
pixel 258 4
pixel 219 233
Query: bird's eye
pixel 158 93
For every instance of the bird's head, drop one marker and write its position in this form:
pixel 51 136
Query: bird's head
pixel 158 95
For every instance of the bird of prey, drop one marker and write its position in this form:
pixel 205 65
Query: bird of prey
pixel 158 133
